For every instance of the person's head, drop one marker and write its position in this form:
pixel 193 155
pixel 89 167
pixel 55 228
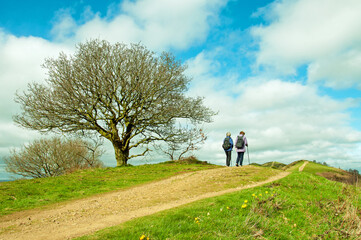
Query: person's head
pixel 242 133
pixel 228 134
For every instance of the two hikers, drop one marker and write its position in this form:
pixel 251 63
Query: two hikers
pixel 240 146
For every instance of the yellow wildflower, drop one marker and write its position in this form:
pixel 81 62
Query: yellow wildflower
pixel 266 192
pixel 253 195
pixel 244 205
pixel 245 201
pixel 142 237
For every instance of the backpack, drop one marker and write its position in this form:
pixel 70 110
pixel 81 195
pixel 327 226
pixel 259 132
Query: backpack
pixel 226 144
pixel 240 142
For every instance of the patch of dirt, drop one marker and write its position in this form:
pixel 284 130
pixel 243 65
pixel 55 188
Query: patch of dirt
pixel 340 177
pixel 85 216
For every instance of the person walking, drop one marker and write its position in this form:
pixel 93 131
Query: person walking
pixel 241 143
pixel 227 146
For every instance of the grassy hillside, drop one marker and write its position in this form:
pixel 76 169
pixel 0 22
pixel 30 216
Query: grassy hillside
pixel 27 194
pixel 303 205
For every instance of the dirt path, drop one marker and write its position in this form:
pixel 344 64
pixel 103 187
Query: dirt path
pixel 85 216
pixel 303 166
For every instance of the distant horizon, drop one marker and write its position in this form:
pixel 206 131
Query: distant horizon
pixel 6 177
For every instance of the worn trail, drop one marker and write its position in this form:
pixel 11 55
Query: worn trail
pixel 85 216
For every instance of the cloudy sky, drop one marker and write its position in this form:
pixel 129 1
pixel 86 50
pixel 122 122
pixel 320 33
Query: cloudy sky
pixel 287 72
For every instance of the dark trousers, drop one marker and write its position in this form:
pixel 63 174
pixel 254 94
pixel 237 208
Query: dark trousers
pixel 240 158
pixel 228 157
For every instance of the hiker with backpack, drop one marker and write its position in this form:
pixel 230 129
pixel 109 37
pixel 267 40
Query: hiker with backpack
pixel 241 143
pixel 227 146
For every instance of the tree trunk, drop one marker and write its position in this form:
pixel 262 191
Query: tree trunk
pixel 120 155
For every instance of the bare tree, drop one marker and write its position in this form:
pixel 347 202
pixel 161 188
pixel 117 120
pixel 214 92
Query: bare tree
pixel 53 157
pixel 185 141
pixel 127 94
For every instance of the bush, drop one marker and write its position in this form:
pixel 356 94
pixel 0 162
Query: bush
pixel 53 157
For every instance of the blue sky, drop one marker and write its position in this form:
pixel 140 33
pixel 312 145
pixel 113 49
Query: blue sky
pixel 286 72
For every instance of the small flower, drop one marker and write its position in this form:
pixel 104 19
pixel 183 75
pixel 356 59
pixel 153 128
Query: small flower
pixel 266 192
pixel 208 214
pixel 253 195
pixel 244 205
pixel 245 201
pixel 260 194
pixel 142 237
pixel 228 208
pixel 221 209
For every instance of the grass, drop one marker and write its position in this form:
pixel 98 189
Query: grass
pixel 300 206
pixel 31 193
pixel 315 168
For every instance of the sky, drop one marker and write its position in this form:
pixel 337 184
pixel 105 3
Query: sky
pixel 286 72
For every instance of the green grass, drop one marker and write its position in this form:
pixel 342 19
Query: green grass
pixel 28 194
pixel 293 167
pixel 276 165
pixel 300 206
pixel 314 168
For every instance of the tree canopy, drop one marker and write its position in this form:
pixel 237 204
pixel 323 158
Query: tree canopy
pixel 126 93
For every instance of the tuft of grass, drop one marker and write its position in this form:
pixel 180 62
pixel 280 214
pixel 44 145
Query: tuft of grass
pixel 275 165
pixel 300 206
pixel 31 193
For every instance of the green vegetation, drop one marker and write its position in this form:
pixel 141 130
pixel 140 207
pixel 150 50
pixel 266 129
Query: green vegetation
pixel 275 165
pixel 293 167
pixel 300 206
pixel 303 205
pixel 314 168
pixel 27 194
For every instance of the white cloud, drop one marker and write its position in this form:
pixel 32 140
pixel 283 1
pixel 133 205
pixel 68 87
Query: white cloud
pixel 20 63
pixel 159 24
pixel 64 26
pixel 324 34
pixel 283 121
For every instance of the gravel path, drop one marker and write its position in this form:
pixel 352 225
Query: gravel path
pixel 303 166
pixel 85 216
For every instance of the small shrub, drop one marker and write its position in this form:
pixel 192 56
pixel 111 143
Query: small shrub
pixel 53 157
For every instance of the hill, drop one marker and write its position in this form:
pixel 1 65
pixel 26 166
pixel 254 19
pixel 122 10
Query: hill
pixel 302 205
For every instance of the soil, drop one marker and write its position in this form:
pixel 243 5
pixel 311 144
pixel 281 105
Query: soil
pixel 80 217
